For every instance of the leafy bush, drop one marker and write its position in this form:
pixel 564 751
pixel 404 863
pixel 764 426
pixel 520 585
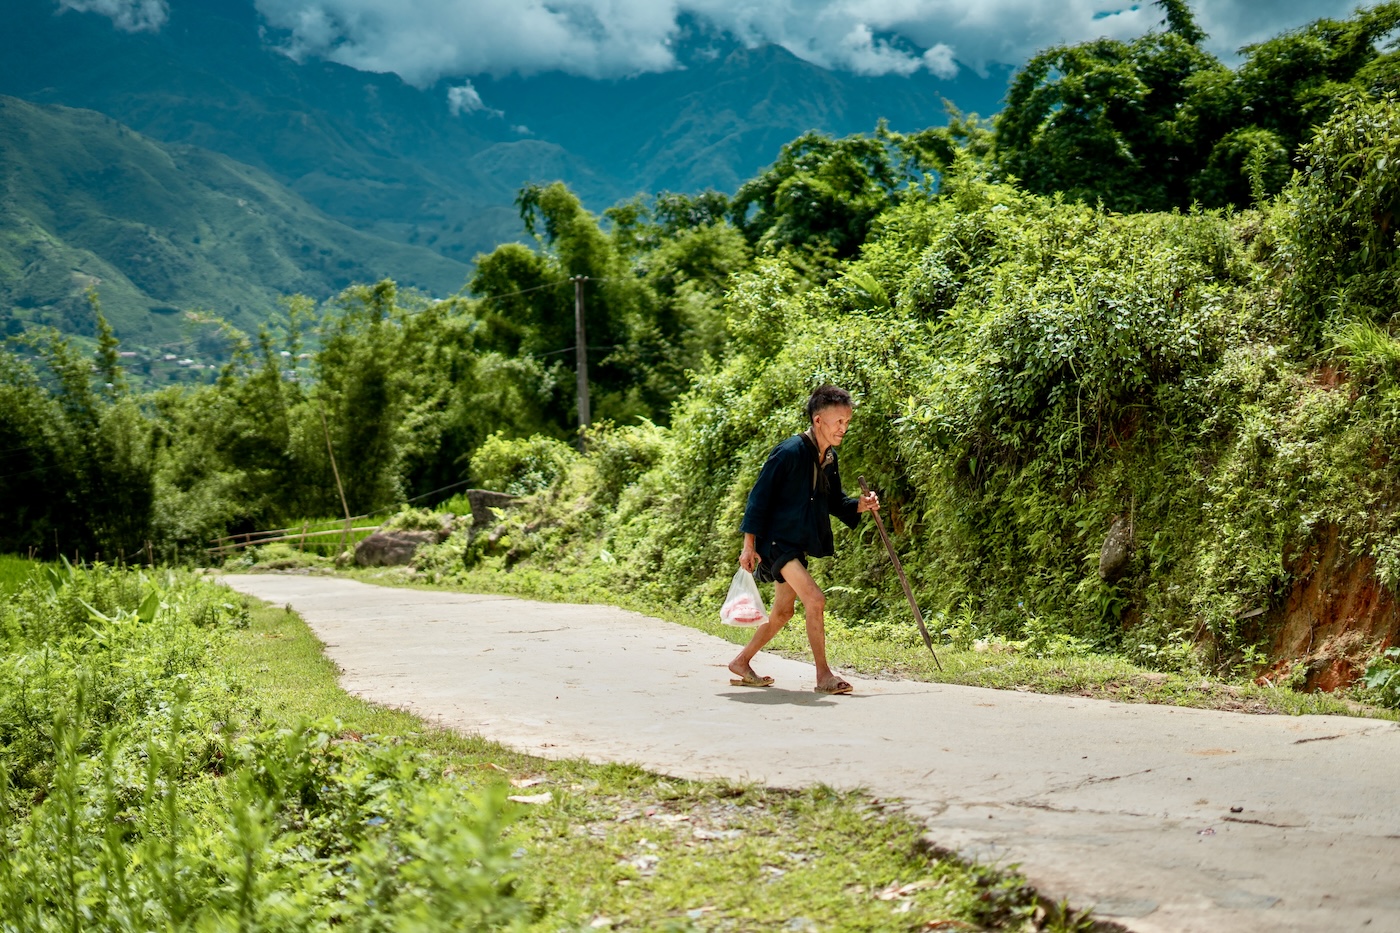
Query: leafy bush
pixel 1343 214
pixel 127 642
pixel 620 455
pixel 411 519
pixel 1382 679
pixel 521 466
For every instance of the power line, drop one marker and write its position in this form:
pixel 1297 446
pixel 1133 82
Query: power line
pixel 480 298
pixel 526 291
pixel 415 498
pixel 523 291
pixel 616 346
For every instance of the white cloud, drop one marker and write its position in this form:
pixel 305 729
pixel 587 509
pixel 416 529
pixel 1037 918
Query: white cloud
pixel 424 40
pixel 126 15
pixel 464 99
pixel 940 61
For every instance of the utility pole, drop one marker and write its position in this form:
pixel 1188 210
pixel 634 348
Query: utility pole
pixel 581 359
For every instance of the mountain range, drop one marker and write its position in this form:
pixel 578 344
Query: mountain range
pixel 161 230
pixel 365 172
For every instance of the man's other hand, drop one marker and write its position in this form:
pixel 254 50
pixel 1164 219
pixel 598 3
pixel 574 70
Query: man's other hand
pixel 870 502
pixel 748 558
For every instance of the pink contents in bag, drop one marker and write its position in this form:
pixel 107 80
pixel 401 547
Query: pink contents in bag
pixel 742 611
pixel 744 603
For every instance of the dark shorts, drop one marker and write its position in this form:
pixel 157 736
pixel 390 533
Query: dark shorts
pixel 768 570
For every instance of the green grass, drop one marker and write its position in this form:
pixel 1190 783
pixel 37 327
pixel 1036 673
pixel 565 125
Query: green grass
pixel 619 847
pixel 14 571
pixel 901 654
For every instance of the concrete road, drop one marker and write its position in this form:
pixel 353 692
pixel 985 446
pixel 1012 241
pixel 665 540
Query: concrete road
pixel 1160 818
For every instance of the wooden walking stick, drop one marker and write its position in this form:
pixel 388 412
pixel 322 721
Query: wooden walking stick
pixel 894 558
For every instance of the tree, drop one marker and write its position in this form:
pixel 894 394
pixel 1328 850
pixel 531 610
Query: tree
pixel 1157 123
pixel 361 390
pixel 1250 123
pixel 936 148
pixel 1098 121
pixel 821 195
pixel 633 339
pixel 76 476
pixel 1181 21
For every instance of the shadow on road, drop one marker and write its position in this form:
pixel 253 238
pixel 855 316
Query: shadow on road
pixel 777 696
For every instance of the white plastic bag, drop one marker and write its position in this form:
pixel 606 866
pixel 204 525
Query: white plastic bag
pixel 744 604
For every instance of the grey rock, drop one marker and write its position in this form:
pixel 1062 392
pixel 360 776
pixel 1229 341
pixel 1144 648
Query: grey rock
pixel 1113 556
pixel 392 548
pixel 483 501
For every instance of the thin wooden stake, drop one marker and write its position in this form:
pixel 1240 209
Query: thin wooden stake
pixel 904 581
pixel 338 486
pixel 581 363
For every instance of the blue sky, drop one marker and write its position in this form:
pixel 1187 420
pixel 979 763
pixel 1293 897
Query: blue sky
pixel 423 40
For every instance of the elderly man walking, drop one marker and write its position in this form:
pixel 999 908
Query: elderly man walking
pixel 788 520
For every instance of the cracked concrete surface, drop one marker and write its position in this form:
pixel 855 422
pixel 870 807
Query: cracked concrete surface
pixel 1161 818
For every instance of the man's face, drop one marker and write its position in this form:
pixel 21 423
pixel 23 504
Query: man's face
pixel 830 424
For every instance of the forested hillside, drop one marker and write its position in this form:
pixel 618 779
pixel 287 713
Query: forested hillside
pixel 162 231
pixel 1217 387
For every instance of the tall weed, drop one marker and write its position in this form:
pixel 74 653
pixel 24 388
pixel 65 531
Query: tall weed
pixel 139 792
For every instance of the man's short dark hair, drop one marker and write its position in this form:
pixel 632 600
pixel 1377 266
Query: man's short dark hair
pixel 827 396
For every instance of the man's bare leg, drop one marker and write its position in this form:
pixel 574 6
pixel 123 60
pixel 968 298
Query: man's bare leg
pixel 814 607
pixel 783 606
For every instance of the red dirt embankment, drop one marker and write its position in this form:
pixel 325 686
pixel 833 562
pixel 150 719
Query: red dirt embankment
pixel 1336 616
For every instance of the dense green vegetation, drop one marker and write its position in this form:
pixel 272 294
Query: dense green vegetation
pixel 174 759
pixel 1028 371
pixel 139 790
pixel 1031 368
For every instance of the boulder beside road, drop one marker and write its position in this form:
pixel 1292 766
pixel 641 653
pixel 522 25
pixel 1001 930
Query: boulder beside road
pixel 392 548
pixel 395 547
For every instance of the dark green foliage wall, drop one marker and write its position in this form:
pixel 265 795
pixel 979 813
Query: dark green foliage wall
pixel 1030 371
pixel 76 472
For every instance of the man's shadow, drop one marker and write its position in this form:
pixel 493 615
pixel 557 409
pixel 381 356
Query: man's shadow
pixel 778 696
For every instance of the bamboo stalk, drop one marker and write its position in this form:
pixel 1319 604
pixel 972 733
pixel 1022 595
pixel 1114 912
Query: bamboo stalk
pixel 291 537
pixel 250 535
pixel 247 536
pixel 904 581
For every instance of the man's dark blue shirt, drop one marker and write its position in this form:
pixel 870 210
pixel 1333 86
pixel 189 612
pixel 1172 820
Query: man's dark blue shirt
pixel 790 507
